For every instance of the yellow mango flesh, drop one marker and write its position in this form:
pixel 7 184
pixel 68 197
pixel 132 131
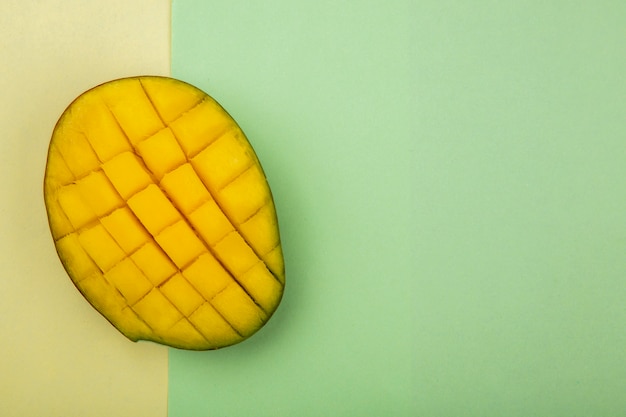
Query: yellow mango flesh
pixel 162 216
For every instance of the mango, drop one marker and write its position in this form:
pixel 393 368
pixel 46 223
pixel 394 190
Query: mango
pixel 162 216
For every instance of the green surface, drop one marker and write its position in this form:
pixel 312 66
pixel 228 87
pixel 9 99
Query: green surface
pixel 450 181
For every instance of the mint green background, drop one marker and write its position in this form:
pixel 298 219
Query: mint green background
pixel 450 180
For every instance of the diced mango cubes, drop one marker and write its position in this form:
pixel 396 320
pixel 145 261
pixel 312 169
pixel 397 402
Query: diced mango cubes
pixel 162 216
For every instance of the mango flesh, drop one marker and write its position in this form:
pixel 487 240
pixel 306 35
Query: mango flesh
pixel 162 216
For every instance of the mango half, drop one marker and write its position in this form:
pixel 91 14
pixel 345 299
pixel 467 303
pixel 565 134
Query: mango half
pixel 162 216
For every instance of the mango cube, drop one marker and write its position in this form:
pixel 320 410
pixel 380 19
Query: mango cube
pixel 161 152
pixel 129 280
pixel 126 229
pixel 185 188
pixel 126 173
pixel 206 265
pixel 200 126
pixel 211 222
pixel 154 263
pixel 182 294
pixel 180 243
pixel 101 247
pixel 153 209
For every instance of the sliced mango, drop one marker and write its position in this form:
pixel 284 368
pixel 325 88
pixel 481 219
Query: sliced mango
pixel 162 216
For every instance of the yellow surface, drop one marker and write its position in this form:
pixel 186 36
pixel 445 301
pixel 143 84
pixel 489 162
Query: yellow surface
pixel 58 357
pixel 175 206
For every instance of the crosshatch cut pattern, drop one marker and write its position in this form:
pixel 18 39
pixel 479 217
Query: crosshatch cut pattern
pixel 162 216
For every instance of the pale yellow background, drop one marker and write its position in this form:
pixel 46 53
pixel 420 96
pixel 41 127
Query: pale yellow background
pixel 58 357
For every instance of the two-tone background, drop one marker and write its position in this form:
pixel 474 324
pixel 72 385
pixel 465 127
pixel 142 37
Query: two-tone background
pixel 450 178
